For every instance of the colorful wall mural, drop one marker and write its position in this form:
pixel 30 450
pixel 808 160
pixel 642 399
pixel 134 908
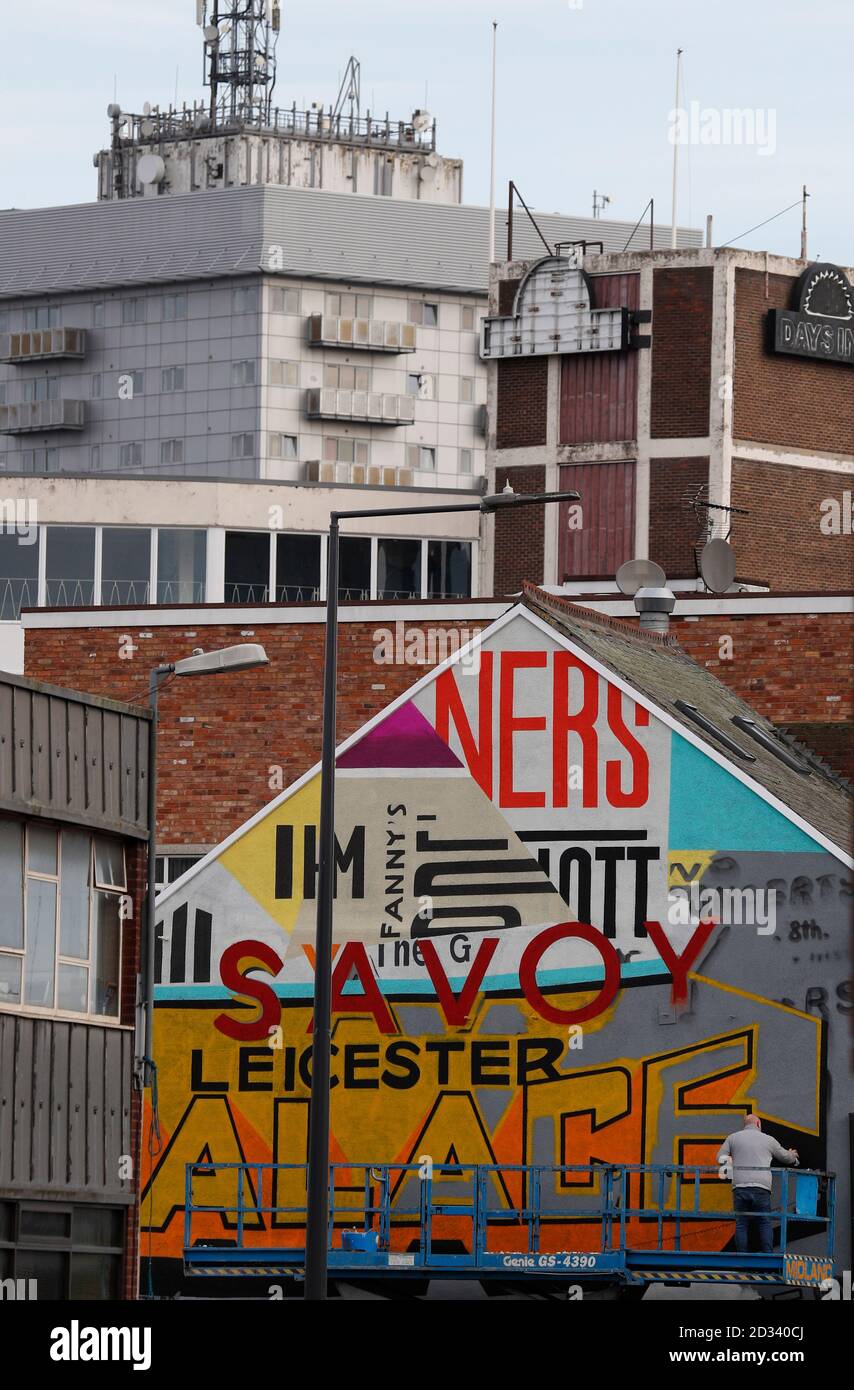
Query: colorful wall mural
pixel 515 979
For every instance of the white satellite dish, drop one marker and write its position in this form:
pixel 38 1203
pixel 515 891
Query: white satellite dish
pixel 113 110
pixel 146 129
pixel 211 33
pixel 150 169
pixel 717 565
pixel 640 574
pixel 421 120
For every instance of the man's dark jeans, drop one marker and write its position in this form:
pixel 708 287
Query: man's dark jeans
pixel 752 1226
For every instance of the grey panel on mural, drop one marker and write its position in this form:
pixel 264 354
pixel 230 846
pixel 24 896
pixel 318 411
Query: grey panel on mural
pixel 73 757
pixel 65 1102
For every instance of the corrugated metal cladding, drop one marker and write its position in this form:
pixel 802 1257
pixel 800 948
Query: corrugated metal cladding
pixel 607 537
pixel 72 757
pixel 599 391
pixel 65 1107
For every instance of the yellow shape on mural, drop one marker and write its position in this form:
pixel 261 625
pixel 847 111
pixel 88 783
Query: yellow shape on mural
pixel 688 866
pixel 252 858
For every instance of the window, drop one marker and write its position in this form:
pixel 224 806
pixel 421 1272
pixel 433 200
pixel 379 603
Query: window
pixel 398 569
pixel 169 867
pixel 171 451
pixel 419 456
pixel 98 314
pixel 247 566
pixel 242 446
pixel 466 460
pixel 244 299
pixel 133 379
pixel 172 379
pixel 70 1251
pixel 181 566
pixel 44 317
pixel 41 388
pixel 466 388
pixel 413 384
pixel 284 446
pixel 468 318
pixel 243 373
pixel 35 460
pixel 284 373
pixel 133 311
pixel 125 565
pixel 354 567
pixel 284 301
pixel 95 457
pixel 347 378
pixel 448 569
pixel 130 455
pixel 96 387
pixel 60 943
pixel 349 306
pixel 174 307
pixel 70 566
pixel 19 572
pixel 424 313
pixel 297 568
pixel 346 450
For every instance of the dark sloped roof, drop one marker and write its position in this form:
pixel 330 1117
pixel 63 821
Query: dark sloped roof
pixel 659 669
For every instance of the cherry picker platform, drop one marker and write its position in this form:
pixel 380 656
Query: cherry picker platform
pixel 618 1225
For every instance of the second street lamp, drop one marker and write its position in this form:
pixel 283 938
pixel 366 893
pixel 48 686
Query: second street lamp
pixel 317 1210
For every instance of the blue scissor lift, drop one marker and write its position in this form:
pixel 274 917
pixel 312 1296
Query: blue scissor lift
pixel 662 1200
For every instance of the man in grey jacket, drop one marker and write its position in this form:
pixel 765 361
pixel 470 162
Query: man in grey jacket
pixel 750 1153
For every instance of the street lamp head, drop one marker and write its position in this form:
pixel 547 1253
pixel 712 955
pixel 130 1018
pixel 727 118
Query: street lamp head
pixel 239 658
pixel 494 501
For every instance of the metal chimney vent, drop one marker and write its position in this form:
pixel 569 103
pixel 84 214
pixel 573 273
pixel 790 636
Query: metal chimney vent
pixel 654 605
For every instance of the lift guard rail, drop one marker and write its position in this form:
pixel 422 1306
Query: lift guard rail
pixel 639 1210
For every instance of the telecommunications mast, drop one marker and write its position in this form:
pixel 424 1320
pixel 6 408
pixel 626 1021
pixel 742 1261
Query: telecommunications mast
pixel 240 58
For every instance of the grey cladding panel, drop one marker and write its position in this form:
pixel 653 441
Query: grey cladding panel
pixel 65 1096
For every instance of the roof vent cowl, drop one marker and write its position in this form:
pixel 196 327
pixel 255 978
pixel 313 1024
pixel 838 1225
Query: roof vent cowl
pixel 654 606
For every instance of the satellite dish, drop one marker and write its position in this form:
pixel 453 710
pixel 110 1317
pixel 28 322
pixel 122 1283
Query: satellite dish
pixel 146 129
pixel 211 33
pixel 717 565
pixel 640 574
pixel 421 120
pixel 150 169
pixel 113 110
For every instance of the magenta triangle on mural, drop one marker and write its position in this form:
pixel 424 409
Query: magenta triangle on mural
pixel 404 739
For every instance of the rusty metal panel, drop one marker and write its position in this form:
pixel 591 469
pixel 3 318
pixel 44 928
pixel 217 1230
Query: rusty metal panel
pixel 65 1099
pixel 598 394
pixel 607 535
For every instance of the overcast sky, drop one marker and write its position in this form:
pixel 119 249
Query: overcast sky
pixel 586 88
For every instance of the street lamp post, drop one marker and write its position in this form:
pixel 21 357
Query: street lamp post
pixel 239 658
pixel 317 1210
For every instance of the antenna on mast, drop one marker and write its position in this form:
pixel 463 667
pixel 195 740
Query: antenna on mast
pixel 677 114
pixel 350 91
pixel 240 58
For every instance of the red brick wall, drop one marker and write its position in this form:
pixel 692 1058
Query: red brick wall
pixel 522 407
pixel 214 772
pixel 681 352
pixel 519 548
pixel 673 529
pixel 779 399
pixel 795 669
pixel 781 542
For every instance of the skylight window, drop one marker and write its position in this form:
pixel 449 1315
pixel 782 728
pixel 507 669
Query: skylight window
pixel 691 712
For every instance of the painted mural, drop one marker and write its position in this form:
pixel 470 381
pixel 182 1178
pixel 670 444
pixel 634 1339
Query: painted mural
pixel 520 975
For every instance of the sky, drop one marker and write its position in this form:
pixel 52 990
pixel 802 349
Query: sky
pixel 586 95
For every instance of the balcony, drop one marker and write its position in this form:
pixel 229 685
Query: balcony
pixel 364 474
pixel 42 344
pixel 329 403
pixel 40 417
pixel 375 335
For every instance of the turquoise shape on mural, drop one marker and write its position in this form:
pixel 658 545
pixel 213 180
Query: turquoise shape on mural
pixel 712 809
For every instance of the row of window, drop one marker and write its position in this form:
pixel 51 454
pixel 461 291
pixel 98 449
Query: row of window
pixel 245 299
pixel 137 455
pixel 68 1251
pixel 63 895
pixel 120 566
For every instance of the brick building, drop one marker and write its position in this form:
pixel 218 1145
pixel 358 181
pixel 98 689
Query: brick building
pixel 673 385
